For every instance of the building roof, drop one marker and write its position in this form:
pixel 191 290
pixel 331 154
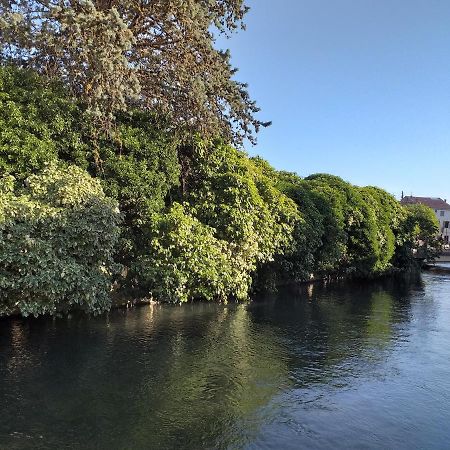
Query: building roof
pixel 431 202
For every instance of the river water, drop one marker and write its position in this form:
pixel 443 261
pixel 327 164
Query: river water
pixel 343 366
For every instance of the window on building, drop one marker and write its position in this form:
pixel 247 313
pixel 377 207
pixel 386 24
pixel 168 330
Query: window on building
pixel 442 213
pixel 446 224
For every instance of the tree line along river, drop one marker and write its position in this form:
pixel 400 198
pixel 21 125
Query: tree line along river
pixel 340 366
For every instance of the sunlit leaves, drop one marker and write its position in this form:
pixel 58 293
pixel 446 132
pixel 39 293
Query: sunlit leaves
pixel 57 238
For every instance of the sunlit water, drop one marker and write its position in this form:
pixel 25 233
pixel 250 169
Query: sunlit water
pixel 345 366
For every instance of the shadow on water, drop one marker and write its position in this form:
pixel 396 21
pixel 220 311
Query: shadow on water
pixel 200 375
pixel 165 377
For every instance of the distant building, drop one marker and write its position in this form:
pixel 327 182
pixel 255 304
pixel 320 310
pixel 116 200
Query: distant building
pixel 440 207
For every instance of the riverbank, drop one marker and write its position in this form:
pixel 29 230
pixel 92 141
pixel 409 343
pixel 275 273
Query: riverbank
pixel 441 264
pixel 438 267
pixel 130 299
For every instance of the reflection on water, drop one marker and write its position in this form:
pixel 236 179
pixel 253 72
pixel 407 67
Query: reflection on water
pixel 344 366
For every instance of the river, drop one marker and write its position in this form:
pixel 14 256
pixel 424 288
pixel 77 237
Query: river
pixel 341 366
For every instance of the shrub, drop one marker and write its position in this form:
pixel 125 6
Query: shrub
pixel 346 228
pixel 309 234
pixel 183 260
pixel 137 162
pixel 138 167
pixel 389 215
pixel 233 221
pixel 57 238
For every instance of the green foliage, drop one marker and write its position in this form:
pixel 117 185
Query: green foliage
pixel 38 123
pixel 137 164
pixel 183 260
pixel 357 222
pixel 138 167
pixel 234 220
pixel 422 221
pixel 389 215
pixel 233 194
pixel 420 235
pixel 57 238
pixel 309 234
pixel 346 229
pixel 199 221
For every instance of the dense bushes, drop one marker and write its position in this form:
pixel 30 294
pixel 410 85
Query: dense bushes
pixel 351 231
pixel 57 238
pixel 234 220
pixel 319 238
pixel 183 259
pixel 389 215
pixel 198 220
pixel 230 193
pixel 355 220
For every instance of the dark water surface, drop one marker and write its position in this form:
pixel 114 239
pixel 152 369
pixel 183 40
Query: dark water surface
pixel 348 366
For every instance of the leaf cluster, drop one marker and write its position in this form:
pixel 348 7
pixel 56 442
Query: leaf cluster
pixel 57 240
pixel 184 260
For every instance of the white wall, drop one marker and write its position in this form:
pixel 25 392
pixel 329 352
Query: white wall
pixel 442 219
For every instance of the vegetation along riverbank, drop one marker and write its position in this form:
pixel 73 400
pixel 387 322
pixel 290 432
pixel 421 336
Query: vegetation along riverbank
pixel 137 211
pixel 120 130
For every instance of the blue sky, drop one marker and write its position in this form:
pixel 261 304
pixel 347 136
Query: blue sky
pixel 356 88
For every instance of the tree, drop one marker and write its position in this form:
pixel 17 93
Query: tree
pixel 57 239
pixel 155 54
pixel 420 229
pixel 389 216
pixel 183 260
pixel 137 165
pixel 309 234
pixel 357 219
pixel 38 124
pixel 233 221
pixel 231 193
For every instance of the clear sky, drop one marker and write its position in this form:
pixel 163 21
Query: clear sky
pixel 356 88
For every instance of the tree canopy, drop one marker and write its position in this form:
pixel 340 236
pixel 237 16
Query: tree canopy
pixel 158 55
